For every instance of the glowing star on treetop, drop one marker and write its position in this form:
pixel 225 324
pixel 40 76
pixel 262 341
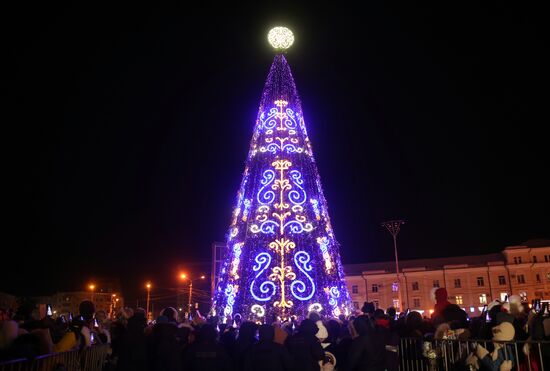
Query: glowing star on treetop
pixel 280 38
pixel 282 258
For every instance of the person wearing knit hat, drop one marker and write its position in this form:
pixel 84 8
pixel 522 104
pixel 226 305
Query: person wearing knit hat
pixel 502 352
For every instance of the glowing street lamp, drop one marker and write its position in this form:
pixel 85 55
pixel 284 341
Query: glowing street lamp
pixel 148 286
pixel 92 288
pixel 184 277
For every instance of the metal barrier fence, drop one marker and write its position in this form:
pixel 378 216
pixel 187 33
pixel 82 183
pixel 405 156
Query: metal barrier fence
pixel 417 354
pixel 89 359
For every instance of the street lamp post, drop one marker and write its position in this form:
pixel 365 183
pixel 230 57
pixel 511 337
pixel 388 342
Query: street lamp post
pixel 148 286
pixel 92 287
pixel 113 305
pixel 393 226
pixel 190 295
pixel 183 277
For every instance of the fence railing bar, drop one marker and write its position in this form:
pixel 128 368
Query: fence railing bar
pixel 540 358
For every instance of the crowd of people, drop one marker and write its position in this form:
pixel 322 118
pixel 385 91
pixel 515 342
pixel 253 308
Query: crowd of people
pixel 368 340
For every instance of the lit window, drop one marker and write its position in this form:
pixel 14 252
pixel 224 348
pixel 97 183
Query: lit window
pixel 503 296
pixel 457 283
pixel 415 286
pixel 483 298
pixel 395 303
pixel 458 299
pixel 354 289
pixel 394 287
pixel 521 278
pixel 416 302
pixel 501 280
pixel 480 281
pixel 374 287
pixel 436 283
pixel 523 296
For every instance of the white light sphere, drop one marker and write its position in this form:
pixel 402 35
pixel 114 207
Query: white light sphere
pixel 280 38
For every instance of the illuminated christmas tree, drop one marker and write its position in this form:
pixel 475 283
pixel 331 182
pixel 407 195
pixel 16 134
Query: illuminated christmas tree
pixel 282 257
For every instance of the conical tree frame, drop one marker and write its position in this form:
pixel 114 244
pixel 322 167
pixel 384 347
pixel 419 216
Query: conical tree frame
pixel 282 258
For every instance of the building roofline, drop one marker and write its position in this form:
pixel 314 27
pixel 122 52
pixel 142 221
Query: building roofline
pixel 426 264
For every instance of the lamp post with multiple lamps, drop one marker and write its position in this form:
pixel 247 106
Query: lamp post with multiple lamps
pixel 393 226
pixel 184 277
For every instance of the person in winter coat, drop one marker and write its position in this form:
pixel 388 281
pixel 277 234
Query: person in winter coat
pixel 163 348
pixel 133 346
pixel 205 354
pixel 304 347
pixel 367 352
pixel 245 340
pixel 266 355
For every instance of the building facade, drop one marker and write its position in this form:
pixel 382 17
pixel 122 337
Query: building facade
pixel 8 302
pixel 471 281
pixel 68 302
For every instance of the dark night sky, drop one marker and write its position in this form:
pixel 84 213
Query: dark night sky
pixel 128 129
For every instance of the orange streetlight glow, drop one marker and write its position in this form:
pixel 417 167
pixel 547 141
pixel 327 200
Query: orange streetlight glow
pixel 148 286
pixel 92 287
pixel 183 276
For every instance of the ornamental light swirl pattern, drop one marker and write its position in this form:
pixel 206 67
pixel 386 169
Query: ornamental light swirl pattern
pixel 282 257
